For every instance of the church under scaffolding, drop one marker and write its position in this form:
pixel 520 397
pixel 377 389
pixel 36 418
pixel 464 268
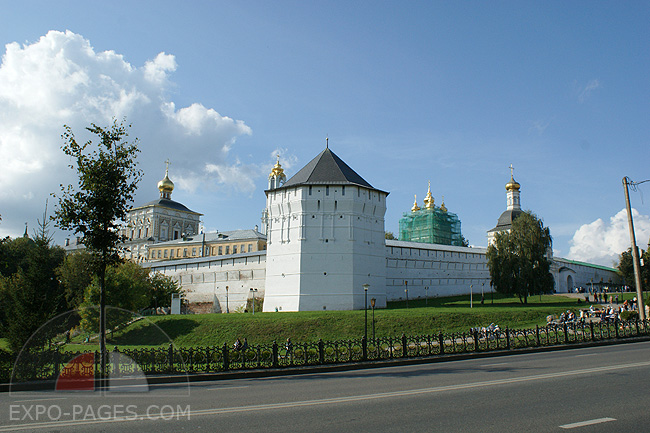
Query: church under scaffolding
pixel 431 224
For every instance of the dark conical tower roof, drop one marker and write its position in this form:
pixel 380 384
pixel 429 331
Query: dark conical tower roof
pixel 326 169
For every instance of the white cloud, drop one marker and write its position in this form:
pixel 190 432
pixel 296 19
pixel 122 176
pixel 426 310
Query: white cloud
pixel 60 79
pixel 539 126
pixel 602 243
pixel 585 92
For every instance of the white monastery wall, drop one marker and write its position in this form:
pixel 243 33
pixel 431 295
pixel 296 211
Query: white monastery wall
pixel 445 270
pixel 205 279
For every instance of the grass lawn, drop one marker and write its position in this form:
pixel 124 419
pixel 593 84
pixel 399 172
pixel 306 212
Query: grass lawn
pixel 449 314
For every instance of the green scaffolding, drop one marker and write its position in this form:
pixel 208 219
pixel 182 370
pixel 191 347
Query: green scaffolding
pixel 432 226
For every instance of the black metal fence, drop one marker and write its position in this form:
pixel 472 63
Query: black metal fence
pixel 49 364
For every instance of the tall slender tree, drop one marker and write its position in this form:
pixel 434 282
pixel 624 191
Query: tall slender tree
pixel 94 209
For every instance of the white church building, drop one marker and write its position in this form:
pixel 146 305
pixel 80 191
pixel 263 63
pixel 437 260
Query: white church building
pixel 325 241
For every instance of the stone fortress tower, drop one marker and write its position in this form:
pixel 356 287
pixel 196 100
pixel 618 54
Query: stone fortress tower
pixel 325 238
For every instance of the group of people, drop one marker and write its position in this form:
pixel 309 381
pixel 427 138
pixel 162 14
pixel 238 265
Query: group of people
pixel 242 346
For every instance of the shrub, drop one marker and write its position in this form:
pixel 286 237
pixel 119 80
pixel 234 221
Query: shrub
pixel 629 315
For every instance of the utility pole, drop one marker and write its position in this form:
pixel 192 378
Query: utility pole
pixel 635 251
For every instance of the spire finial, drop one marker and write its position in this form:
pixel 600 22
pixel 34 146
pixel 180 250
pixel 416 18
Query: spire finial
pixel 415 207
pixel 428 200
pixel 327 142
pixel 512 171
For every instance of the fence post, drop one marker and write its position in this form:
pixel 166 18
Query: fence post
pixel 275 354
pixel 616 327
pixel 224 350
pixel 537 335
pixel 636 323
pixel 57 360
pixel 507 339
pixel 441 342
pixel 566 334
pixel 591 328
pixel 364 348
pixel 404 346
pixel 475 340
pixel 321 351
pixel 170 357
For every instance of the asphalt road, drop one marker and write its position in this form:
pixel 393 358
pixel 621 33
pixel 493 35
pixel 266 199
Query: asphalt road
pixel 602 389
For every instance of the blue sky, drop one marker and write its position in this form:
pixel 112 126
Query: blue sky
pixel 451 92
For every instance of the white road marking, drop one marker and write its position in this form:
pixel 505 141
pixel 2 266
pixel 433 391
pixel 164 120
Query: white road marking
pixel 226 387
pixel 587 354
pixel 586 423
pixel 494 365
pixel 333 400
pixel 41 399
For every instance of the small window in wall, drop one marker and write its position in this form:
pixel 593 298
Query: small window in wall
pixel 158 253
pixel 139 233
pixel 214 251
pixel 327 190
pixel 335 205
pixel 175 234
pixel 343 190
pixel 165 254
pixel 220 250
pixel 227 249
pixel 184 252
pixel 310 190
pixel 242 249
pixel 250 248
pixel 318 205
pixel 178 252
pixel 153 254
pixel 171 254
pixel 193 252
pixel 234 249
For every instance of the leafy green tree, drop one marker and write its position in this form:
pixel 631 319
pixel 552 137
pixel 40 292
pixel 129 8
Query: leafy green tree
pixel 75 275
pixel 162 289
pixel 128 289
pixel 518 259
pixel 108 178
pixel 390 235
pixel 32 294
pixel 626 268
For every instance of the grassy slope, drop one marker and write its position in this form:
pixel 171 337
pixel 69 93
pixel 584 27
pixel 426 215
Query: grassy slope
pixel 450 314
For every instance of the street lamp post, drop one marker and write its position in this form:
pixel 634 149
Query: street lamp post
pixel 372 304
pixel 365 307
pixel 227 310
pixel 471 304
pixel 253 292
pixel 406 291
pixel 482 293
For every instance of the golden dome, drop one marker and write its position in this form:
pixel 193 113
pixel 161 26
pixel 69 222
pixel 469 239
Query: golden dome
pixel 513 185
pixel 442 206
pixel 415 205
pixel 277 170
pixel 166 186
pixel 428 200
